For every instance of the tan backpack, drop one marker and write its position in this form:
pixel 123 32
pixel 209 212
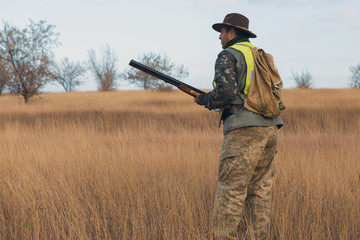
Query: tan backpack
pixel 264 95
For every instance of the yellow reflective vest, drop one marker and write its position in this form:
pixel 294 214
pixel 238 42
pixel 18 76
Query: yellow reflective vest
pixel 245 49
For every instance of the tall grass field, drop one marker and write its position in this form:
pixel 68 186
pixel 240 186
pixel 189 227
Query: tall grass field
pixel 143 165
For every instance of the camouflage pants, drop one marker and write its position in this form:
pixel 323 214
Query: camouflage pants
pixel 243 197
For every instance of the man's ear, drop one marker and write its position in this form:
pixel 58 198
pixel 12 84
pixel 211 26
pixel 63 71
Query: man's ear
pixel 232 32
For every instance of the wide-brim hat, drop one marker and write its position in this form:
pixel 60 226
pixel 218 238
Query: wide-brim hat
pixel 235 20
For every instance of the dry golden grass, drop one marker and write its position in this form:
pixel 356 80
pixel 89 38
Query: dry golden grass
pixel 143 165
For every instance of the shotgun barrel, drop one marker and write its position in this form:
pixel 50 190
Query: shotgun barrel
pixel 180 85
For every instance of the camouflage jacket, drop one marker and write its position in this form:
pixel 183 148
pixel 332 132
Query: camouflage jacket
pixel 229 80
pixel 226 82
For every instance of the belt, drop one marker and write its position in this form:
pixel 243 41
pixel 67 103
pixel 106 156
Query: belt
pixel 228 111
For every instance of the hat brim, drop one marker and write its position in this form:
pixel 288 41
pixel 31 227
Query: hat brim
pixel 217 27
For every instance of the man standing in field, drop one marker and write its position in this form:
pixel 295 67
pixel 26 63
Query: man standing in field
pixel 246 166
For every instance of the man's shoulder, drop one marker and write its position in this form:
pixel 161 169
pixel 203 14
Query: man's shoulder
pixel 226 55
pixel 232 54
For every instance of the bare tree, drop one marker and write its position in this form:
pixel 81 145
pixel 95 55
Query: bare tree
pixel 105 70
pixel 68 74
pixel 4 77
pixel 160 62
pixel 354 79
pixel 28 57
pixel 303 80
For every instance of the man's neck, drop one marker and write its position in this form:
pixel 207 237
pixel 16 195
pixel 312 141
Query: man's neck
pixel 235 40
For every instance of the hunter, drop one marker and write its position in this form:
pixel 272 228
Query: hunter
pixel 246 165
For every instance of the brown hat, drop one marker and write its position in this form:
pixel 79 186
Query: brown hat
pixel 235 20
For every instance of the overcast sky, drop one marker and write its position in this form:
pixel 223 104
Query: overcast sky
pixel 321 36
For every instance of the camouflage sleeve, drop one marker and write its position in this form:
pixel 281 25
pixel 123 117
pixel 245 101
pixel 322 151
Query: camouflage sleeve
pixel 226 82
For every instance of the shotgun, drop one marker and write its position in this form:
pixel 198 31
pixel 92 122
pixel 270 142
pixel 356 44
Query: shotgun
pixel 180 85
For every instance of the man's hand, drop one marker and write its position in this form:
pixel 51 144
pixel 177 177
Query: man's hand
pixel 196 97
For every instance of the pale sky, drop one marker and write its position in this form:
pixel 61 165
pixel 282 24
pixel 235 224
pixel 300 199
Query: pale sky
pixel 321 36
